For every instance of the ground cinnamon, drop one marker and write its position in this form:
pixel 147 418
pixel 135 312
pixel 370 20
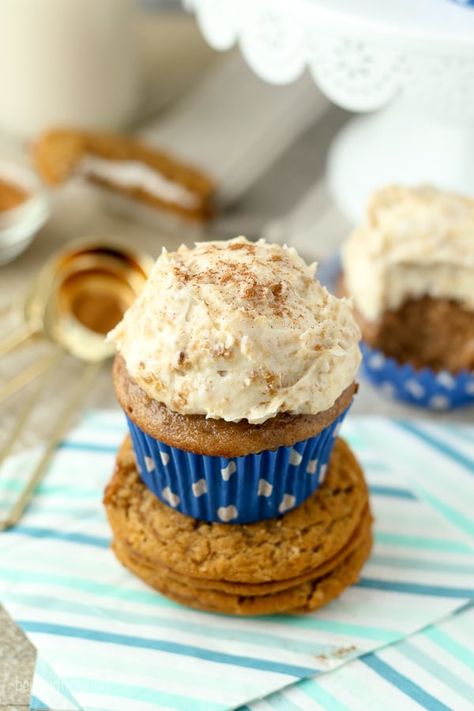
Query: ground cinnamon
pixel 11 195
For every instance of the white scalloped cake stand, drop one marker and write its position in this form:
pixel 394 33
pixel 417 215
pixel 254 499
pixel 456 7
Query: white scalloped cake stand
pixel 412 59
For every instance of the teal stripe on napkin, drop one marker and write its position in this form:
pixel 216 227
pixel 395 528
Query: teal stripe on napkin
pixel 439 445
pixel 164 646
pixel 409 687
pixel 76 600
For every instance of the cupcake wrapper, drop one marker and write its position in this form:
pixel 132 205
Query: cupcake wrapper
pixel 238 490
pixel 425 388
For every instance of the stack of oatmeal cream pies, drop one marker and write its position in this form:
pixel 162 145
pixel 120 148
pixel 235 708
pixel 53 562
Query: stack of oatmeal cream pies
pixel 233 492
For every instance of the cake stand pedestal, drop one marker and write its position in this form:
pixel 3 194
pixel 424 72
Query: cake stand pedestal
pixel 412 63
pixel 394 146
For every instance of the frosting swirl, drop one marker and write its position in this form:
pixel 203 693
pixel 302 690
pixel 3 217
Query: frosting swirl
pixel 414 242
pixel 238 330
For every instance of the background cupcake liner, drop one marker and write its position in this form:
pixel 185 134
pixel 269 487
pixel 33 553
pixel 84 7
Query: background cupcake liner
pixel 437 391
pixel 238 490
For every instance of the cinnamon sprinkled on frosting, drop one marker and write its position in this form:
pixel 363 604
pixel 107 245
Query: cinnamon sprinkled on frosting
pixel 237 330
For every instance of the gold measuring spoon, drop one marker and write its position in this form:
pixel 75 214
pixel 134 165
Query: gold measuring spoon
pixel 80 294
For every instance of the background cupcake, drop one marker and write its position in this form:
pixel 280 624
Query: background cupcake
pixel 235 368
pixel 410 270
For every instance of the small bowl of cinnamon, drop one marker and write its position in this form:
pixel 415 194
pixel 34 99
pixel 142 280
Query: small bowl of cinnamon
pixel 24 208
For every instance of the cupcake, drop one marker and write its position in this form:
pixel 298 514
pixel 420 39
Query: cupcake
pixel 410 270
pixel 235 369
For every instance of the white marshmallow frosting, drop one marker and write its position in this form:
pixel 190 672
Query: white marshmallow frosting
pixel 238 330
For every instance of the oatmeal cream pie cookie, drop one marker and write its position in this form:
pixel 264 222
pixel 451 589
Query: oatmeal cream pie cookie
pixel 299 561
pixel 410 270
pixel 235 368
pixel 125 166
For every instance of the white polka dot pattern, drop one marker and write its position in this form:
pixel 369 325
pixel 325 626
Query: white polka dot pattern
pixel 199 488
pixel 149 464
pixel 414 387
pixel 287 503
pixel 295 458
pixel 446 379
pixel 439 402
pixel 426 388
pixel 240 490
pixel 312 466
pixel 172 499
pixel 264 488
pixel 227 513
pixel 377 361
pixel 227 471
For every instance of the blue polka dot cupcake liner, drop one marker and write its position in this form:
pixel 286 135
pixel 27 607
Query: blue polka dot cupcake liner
pixel 441 390
pixel 243 489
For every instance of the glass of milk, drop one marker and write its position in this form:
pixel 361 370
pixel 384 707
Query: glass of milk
pixel 67 63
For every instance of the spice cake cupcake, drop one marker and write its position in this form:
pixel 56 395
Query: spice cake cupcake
pixel 235 369
pixel 410 270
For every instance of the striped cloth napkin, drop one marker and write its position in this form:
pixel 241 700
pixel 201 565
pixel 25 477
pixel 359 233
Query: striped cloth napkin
pixel 104 639
pixel 431 669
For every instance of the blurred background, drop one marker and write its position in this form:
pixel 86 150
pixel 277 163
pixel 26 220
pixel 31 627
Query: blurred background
pixel 295 114
pixel 146 68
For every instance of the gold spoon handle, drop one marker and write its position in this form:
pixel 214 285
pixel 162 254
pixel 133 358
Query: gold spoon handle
pixel 21 334
pixel 61 427
pixel 27 375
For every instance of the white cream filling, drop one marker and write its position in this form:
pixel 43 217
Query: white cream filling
pixel 133 174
